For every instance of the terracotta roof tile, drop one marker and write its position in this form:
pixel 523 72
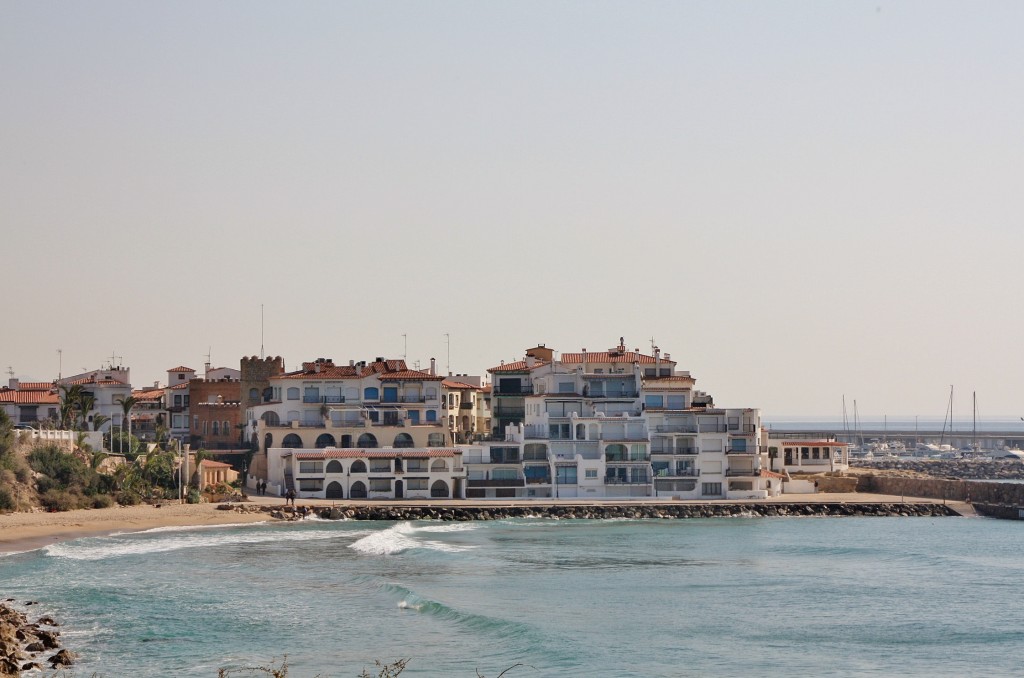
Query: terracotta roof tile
pixel 35 386
pixel 518 366
pixel 149 394
pixel 611 357
pixel 181 368
pixel 451 383
pixel 106 381
pixel 771 474
pixel 13 397
pixel 409 375
pixel 214 464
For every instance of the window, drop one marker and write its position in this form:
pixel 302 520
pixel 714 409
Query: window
pixel 371 393
pixel 416 484
pixel 431 416
pixel 435 440
pixel 254 394
pixel 380 466
pixel 311 467
pixel 380 485
pixel 566 475
pixel 177 401
pixel 216 428
pixel 358 466
pixel 711 489
pixel 805 453
pixel 311 395
pixel 676 402
pixel 654 401
pixel 590 473
pixel 195 423
pixel 293 393
pixel 566 387
pixel 504 474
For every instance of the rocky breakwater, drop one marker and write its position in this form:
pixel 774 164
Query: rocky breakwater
pixel 963 469
pixel 24 643
pixel 632 511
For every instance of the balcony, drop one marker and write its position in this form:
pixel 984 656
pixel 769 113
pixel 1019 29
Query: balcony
pixel 497 482
pixel 510 413
pixel 676 428
pixel 637 480
pixel 324 400
pixel 741 450
pixel 512 390
pixel 625 458
pixel 713 428
pixel 743 472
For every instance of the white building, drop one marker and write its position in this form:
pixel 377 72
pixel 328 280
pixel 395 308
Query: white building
pixel 30 403
pixel 615 423
pixel 107 387
pixel 808 456
pixel 332 473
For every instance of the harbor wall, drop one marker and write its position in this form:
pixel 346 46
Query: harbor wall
pixel 954 490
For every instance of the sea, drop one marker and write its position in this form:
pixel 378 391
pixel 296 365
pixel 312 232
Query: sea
pixel 740 596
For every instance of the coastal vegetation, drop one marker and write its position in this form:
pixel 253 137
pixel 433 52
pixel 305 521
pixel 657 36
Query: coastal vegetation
pixel 68 476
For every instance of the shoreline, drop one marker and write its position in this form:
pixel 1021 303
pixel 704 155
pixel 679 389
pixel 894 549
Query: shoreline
pixel 21 532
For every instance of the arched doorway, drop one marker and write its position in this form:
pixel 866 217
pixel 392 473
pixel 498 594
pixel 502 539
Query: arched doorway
pixel 335 491
pixel 358 466
pixel 292 441
pixel 399 490
pixel 439 490
pixel 271 419
pixel 325 440
pixel 367 440
pixel 334 466
pixel 357 491
pixel 403 440
pixel 439 466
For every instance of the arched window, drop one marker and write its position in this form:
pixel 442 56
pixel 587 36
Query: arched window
pixel 254 395
pixel 358 490
pixel 439 465
pixel 435 440
pixel 292 441
pixel 216 428
pixel 358 466
pixel 371 393
pixel 403 440
pixel 325 440
pixel 225 428
pixel 431 415
pixel 439 490
pixel 581 432
pixel 334 466
pixel 271 419
pixel 268 441
pixel 334 490
pixel 367 440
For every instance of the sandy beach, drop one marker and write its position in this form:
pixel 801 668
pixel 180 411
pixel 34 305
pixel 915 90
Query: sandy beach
pixel 27 531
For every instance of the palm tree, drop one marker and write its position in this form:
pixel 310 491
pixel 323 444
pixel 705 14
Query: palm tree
pixel 70 402
pixel 127 404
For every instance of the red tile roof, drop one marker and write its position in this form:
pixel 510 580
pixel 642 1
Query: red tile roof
pixel 771 474
pixel 214 464
pixel 414 453
pixel 178 386
pixel 518 366
pixel 149 394
pixel 106 381
pixel 654 381
pixel 13 397
pixel 409 375
pixel 611 357
pixel 181 368
pixel 450 383
pixel 35 386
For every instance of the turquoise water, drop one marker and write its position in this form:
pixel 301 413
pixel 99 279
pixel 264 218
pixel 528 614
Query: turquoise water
pixel 725 597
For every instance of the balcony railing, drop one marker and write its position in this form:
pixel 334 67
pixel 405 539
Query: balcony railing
pixel 510 413
pixel 611 457
pixel 713 428
pixel 639 480
pixel 676 428
pixel 741 450
pixel 612 394
pixel 743 472
pixel 497 482
pixel 327 399
pixel 524 389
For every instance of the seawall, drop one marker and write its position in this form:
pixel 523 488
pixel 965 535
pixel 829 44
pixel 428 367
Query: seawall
pixel 647 511
pixel 975 492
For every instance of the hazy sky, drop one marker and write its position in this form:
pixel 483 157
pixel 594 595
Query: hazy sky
pixel 797 200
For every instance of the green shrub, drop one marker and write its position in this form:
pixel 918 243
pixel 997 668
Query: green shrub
pixel 193 496
pixel 62 469
pixel 62 500
pixel 102 501
pixel 7 501
pixel 128 498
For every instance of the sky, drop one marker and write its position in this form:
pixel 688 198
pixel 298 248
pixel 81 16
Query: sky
pixel 799 201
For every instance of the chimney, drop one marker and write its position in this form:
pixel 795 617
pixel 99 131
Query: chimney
pixel 206 370
pixel 156 384
pixel 14 383
pixel 316 367
pixel 433 367
pixel 351 363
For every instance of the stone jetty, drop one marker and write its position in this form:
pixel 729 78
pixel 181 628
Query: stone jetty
pixel 645 511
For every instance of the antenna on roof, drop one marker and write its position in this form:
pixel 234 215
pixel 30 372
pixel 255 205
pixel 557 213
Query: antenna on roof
pixel 60 362
pixel 405 346
pixel 261 331
pixel 10 371
pixel 448 339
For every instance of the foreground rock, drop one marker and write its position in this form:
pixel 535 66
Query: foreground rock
pixel 22 642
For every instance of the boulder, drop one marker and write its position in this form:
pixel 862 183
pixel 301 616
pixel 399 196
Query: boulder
pixel 62 658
